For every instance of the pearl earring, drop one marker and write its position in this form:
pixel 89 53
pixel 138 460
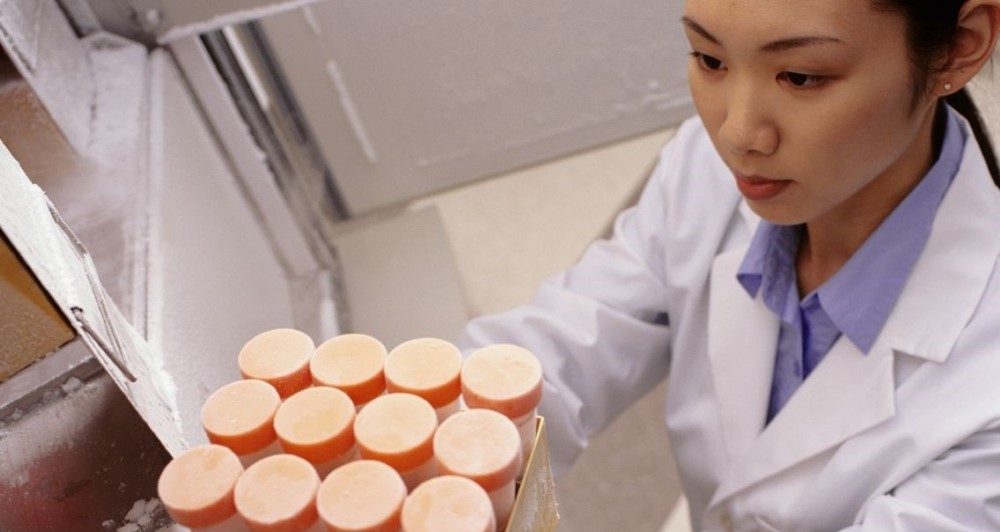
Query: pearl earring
pixel 947 87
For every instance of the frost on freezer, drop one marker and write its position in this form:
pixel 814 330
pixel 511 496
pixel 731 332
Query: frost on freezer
pixel 145 515
pixel 71 387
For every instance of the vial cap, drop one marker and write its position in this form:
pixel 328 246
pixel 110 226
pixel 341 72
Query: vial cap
pixel 427 367
pixel 279 357
pixel 240 415
pixel 278 493
pixel 448 504
pixel 481 445
pixel 502 377
pixel 362 496
pixel 352 363
pixel 316 424
pixel 196 488
pixel 397 429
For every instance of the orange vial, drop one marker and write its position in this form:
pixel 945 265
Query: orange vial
pixel 483 446
pixel 398 429
pixel 508 379
pixel 279 357
pixel 317 424
pixel 196 488
pixel 352 363
pixel 240 416
pixel 278 494
pixel 448 504
pixel 429 368
pixel 363 496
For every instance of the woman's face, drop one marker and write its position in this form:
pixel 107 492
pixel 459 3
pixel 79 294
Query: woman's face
pixel 809 103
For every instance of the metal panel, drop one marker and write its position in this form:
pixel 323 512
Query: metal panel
pixel 64 463
pixel 78 458
pixel 291 246
pixel 102 193
pixel 214 279
pixel 406 98
pixel 42 46
pixel 165 21
pixel 184 18
pixel 400 280
pixel 66 271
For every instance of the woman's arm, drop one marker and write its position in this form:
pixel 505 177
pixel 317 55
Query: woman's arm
pixel 599 328
pixel 960 491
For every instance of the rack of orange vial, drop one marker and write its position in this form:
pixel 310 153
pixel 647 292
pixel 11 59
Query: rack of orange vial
pixel 348 436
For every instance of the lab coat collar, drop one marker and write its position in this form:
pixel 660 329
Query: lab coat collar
pixel 849 392
pixel 954 267
pixel 950 276
pixel 846 394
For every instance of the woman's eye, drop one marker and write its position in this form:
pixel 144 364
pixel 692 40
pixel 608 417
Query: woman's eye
pixel 706 61
pixel 802 81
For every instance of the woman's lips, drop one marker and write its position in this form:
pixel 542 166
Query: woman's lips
pixel 760 188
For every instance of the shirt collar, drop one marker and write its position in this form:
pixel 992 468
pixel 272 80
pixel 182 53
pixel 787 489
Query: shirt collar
pixel 859 297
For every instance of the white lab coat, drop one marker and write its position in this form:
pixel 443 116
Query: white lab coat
pixel 906 437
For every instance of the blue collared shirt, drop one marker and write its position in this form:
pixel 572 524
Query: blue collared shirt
pixel 856 301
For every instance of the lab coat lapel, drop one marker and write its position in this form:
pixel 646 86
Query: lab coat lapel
pixel 846 394
pixel 742 342
pixel 850 392
pixel 951 275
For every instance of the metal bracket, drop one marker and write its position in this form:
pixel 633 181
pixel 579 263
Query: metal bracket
pixel 168 20
pixel 118 346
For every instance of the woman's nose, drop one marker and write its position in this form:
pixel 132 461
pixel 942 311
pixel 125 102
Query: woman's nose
pixel 746 128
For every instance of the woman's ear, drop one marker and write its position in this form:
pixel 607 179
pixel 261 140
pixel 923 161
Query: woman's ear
pixel 975 40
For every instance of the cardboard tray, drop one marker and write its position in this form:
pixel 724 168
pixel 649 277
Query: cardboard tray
pixel 535 506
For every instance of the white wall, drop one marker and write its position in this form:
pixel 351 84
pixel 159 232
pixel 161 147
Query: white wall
pixel 409 97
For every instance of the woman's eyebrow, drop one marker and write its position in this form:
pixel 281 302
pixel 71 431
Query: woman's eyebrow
pixel 798 42
pixel 697 28
pixel 780 45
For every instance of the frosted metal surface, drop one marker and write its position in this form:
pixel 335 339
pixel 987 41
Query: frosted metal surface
pixel 101 192
pixel 66 271
pixel 406 98
pixel 214 280
pixel 46 53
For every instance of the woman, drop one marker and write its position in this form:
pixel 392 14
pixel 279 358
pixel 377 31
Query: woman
pixel 813 262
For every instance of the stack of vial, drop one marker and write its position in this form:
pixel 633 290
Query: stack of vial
pixel 348 436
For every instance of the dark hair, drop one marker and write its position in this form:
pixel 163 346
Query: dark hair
pixel 931 27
